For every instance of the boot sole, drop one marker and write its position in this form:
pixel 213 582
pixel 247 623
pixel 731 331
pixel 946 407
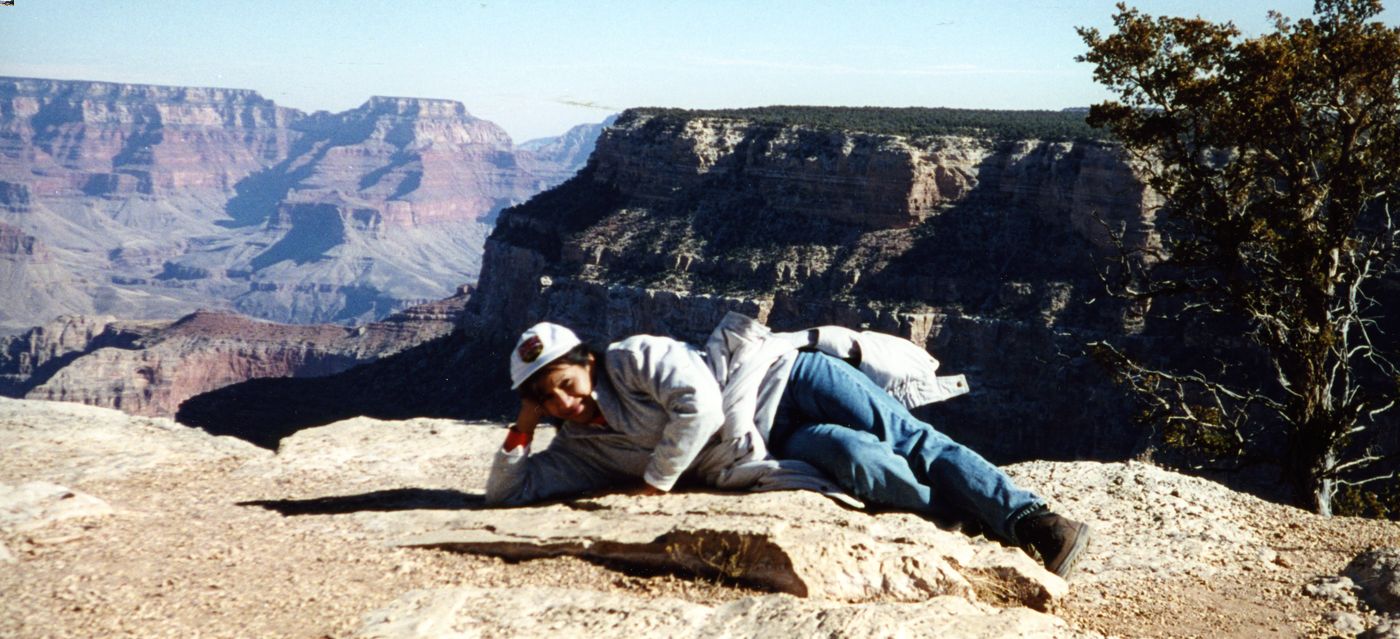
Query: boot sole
pixel 1063 566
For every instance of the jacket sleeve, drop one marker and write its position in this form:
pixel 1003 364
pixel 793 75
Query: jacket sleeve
pixel 678 378
pixel 906 371
pixel 519 477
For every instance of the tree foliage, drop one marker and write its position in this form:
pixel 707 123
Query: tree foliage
pixel 1277 158
pixel 909 121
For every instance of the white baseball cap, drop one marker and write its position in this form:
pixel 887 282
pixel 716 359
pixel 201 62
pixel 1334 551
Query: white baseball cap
pixel 537 347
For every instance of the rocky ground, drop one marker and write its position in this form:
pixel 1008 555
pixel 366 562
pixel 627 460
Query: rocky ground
pixel 115 525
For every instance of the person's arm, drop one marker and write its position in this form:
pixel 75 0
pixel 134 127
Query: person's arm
pixel 522 432
pixel 677 378
pixel 519 477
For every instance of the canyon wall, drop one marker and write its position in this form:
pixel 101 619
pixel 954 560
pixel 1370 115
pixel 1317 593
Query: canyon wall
pixel 33 284
pixel 983 249
pixel 987 251
pixel 150 367
pixel 152 201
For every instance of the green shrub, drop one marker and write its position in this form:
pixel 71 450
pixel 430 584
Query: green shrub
pixel 1062 125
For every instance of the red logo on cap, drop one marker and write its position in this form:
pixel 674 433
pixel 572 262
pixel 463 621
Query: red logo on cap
pixel 530 349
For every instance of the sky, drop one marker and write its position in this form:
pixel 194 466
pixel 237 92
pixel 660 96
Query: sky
pixel 537 67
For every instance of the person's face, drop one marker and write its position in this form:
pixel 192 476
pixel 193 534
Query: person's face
pixel 566 392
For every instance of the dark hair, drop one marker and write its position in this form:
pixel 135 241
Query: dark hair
pixel 577 355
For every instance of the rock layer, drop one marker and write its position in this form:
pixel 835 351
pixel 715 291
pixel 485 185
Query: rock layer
pixel 150 368
pixel 154 201
pixel 575 613
pixel 984 250
pixel 789 543
pixel 32 357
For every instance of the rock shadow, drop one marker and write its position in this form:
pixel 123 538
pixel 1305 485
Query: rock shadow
pixel 310 239
pixel 257 196
pixel 443 377
pixel 376 501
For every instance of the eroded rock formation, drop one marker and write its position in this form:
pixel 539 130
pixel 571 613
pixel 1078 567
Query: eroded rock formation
pixel 32 357
pixel 154 201
pixel 985 250
pixel 150 368
pixel 34 285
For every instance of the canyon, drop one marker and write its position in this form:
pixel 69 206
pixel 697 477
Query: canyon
pixel 984 249
pixel 149 367
pixel 150 202
pixel 348 501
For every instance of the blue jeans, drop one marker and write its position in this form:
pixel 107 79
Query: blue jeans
pixel 833 417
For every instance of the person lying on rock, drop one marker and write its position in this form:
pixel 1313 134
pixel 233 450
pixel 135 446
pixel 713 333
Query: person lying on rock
pixel 650 409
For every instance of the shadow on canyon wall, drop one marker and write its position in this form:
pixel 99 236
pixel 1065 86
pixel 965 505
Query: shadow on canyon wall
pixel 451 377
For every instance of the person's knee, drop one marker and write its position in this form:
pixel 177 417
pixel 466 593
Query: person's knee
pixel 870 463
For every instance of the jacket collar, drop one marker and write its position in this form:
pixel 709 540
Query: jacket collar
pixel 606 396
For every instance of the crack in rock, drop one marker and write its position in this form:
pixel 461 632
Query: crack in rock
pixel 795 543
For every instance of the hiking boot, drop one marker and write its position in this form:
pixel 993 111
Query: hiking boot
pixel 1058 540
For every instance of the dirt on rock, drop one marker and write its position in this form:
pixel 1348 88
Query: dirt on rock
pixel 1180 556
pixel 186 555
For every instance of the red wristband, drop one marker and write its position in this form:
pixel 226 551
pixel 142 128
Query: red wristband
pixel 516 439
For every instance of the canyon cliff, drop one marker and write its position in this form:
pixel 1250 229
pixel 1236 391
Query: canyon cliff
pixel 152 201
pixel 150 367
pixel 982 247
pixel 34 285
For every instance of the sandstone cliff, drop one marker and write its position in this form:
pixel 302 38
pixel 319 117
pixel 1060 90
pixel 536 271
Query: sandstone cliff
pixel 34 285
pixel 32 357
pixel 149 368
pixel 154 201
pixel 985 250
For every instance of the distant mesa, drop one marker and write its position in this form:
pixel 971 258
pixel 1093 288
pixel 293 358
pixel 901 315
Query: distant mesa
pixel 150 367
pixel 153 201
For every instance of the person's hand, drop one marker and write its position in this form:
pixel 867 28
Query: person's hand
pixel 645 490
pixel 522 432
pixel 531 412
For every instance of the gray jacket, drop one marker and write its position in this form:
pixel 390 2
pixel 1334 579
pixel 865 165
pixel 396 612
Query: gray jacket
pixel 672 408
pixel 662 406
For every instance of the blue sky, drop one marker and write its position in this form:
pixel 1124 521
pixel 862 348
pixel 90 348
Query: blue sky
pixel 538 67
